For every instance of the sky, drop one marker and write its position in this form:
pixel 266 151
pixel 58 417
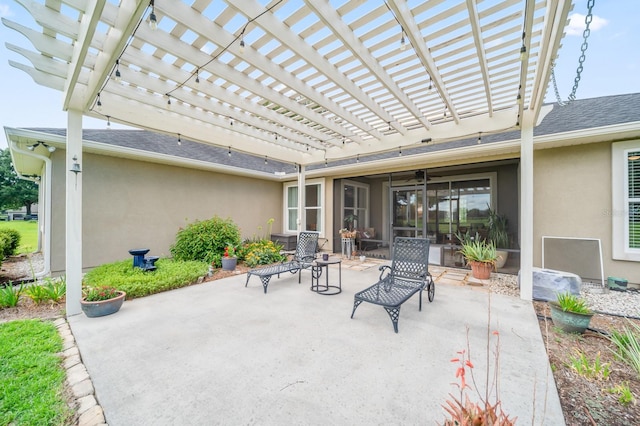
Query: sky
pixel 611 67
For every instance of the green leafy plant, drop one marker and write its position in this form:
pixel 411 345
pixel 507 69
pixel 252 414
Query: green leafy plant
pixel 479 251
pixel 627 345
pixel 591 370
pixel 96 294
pixel 138 283
pixel 261 252
pixel 625 396
pixel 205 240
pixel 498 229
pixel 37 293
pixel 10 295
pixel 55 289
pixel 571 303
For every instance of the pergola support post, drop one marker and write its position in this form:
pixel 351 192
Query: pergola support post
pixel 526 210
pixel 73 213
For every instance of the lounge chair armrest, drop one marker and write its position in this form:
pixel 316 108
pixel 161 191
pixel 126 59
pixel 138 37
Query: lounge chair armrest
pixel 384 270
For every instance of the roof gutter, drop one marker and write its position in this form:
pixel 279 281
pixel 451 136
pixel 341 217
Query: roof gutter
pixel 46 231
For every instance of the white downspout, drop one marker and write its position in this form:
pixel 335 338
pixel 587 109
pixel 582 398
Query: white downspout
pixel 47 207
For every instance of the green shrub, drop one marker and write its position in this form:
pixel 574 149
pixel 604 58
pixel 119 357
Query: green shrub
pixel 205 240
pixel 260 252
pixel 135 282
pixel 12 241
pixel 10 295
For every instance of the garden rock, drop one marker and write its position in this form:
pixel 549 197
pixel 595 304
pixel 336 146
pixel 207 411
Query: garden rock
pixel 547 283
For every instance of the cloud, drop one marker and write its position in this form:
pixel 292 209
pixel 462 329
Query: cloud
pixel 576 24
pixel 5 10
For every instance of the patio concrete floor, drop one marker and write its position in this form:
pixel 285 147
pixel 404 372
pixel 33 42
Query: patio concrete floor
pixel 220 353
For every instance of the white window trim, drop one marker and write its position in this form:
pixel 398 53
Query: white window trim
pixel 619 208
pixel 285 216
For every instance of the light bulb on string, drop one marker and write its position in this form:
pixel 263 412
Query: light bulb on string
pixel 153 21
pixel 198 75
pixel 118 76
pixel 403 43
pixel 229 152
pixel 479 138
pixel 99 103
pixel 179 139
pixel 108 122
pixel 242 47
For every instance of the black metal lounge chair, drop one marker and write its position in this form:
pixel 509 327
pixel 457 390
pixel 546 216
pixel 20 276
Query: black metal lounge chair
pixel 303 258
pixel 407 275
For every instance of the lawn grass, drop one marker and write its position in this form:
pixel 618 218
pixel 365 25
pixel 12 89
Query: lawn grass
pixel 31 375
pixel 28 230
pixel 138 283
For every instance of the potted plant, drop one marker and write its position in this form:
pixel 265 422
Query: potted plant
pixel 570 313
pixel 480 255
pixel 229 259
pixel 499 235
pixel 101 301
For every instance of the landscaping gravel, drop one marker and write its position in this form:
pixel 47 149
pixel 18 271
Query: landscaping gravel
pixel 622 303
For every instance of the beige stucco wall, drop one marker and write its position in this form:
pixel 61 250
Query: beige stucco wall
pixel 131 204
pixel 573 199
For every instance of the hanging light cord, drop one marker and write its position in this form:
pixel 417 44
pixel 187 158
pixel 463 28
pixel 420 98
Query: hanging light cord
pixel 585 35
pixel 225 48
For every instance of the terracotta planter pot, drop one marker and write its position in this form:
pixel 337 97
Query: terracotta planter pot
pixel 569 322
pixel 229 263
pixel 481 270
pixel 102 307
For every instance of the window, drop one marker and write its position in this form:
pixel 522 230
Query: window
pixel 355 204
pixel 625 212
pixel 312 210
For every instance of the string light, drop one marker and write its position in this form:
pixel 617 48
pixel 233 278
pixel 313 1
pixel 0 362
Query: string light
pixel 479 138
pixel 98 103
pixel 265 159
pixel 241 45
pixel 399 151
pixel 198 75
pixel 357 158
pixel 169 101
pixel 229 153
pixel 403 43
pixel 325 162
pixel 430 88
pixel 153 22
pixel 108 122
pixel 519 99
pixel 118 76
pixel 179 139
pixel 523 52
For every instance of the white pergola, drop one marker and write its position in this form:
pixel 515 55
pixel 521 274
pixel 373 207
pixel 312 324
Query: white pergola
pixel 293 80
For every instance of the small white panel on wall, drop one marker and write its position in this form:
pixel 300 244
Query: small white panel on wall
pixel 581 256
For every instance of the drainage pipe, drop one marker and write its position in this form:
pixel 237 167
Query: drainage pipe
pixel 46 231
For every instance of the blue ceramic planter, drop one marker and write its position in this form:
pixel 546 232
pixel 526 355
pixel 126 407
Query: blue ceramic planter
pixel 569 322
pixel 103 307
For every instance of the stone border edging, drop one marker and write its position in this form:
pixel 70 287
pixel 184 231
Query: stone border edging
pixel 89 412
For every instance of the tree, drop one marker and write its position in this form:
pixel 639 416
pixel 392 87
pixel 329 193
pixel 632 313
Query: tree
pixel 15 192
